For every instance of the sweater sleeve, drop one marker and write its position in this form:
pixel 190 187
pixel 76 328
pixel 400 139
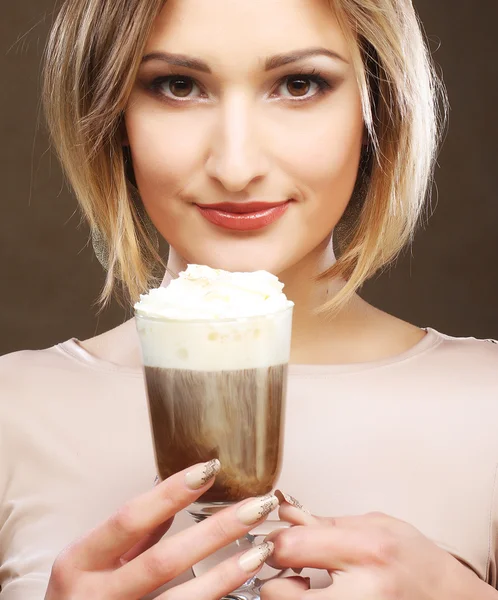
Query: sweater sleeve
pixel 3 484
pixel 8 366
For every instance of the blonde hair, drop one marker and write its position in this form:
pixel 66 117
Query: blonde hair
pixel 91 61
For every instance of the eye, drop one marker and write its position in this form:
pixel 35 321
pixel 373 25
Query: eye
pixel 174 87
pixel 299 85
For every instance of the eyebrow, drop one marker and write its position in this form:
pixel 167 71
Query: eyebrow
pixel 272 62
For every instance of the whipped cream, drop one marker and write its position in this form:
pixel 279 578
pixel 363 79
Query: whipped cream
pixel 200 292
pixel 212 320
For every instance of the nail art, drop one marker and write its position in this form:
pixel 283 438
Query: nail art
pixel 257 509
pixel 254 558
pixel 201 474
pixel 283 497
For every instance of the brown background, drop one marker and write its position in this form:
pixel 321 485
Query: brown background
pixel 448 280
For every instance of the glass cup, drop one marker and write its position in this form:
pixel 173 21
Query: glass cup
pixel 216 389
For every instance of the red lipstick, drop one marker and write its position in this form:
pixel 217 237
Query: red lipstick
pixel 243 216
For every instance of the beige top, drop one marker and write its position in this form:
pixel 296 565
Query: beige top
pixel 415 436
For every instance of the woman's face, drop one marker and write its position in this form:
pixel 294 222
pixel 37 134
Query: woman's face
pixel 222 113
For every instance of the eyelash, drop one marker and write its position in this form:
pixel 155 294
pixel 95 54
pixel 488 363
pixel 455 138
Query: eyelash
pixel 312 75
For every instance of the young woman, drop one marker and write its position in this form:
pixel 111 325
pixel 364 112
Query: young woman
pixel 316 121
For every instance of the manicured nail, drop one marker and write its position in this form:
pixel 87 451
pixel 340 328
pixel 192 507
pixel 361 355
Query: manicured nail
pixel 254 558
pixel 257 509
pixel 199 475
pixel 283 497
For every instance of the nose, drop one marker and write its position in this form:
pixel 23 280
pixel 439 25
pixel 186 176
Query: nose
pixel 236 155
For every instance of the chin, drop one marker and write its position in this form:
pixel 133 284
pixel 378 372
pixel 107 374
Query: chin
pixel 242 264
pixel 236 260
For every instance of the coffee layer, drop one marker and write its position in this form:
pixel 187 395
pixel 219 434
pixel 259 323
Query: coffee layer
pixel 234 415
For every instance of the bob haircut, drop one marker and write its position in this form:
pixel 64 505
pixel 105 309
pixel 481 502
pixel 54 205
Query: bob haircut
pixel 91 61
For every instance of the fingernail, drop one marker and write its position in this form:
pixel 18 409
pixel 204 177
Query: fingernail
pixel 283 497
pixel 157 481
pixel 254 558
pixel 199 475
pixel 257 509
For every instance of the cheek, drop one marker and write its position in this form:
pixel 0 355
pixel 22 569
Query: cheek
pixel 163 149
pixel 324 153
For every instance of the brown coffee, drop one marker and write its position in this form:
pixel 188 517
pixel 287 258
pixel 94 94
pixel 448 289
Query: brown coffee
pixel 235 416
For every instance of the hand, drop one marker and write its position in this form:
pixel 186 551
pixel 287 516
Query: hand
pixel 126 559
pixel 370 557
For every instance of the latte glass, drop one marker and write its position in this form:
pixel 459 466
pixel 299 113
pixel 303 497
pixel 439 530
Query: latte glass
pixel 216 389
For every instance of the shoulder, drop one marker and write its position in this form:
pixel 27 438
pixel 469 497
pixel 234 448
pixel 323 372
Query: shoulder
pixel 466 359
pixel 66 370
pixel 33 375
pixel 28 361
pixel 27 377
pixel 471 348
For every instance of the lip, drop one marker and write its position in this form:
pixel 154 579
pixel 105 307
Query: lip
pixel 248 216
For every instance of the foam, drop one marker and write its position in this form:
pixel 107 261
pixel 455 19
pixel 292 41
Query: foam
pixel 250 343
pixel 213 320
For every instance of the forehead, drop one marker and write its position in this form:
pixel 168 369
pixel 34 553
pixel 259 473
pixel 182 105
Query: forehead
pixel 244 32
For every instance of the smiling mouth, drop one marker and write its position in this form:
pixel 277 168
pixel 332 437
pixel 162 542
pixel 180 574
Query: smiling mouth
pixel 241 216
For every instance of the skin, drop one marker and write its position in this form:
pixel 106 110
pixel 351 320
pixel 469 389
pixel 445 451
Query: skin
pixel 241 134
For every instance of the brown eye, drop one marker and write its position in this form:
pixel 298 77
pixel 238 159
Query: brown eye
pixel 298 86
pixel 181 87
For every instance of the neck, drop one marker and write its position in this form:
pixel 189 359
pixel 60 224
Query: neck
pixel 314 335
pixel 300 280
pixel 174 266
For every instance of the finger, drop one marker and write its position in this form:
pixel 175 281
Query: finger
pixel 174 555
pixel 293 511
pixel 147 542
pixel 333 548
pixel 104 546
pixel 289 588
pixel 224 578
